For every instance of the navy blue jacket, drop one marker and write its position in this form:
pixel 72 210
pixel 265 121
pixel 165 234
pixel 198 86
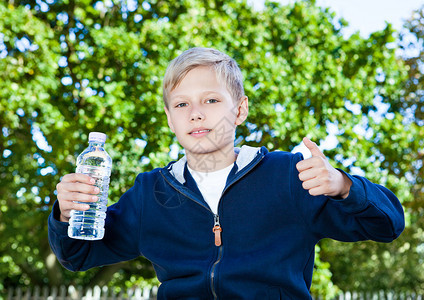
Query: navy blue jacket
pixel 270 226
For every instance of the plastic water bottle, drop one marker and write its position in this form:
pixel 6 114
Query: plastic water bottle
pixel 95 162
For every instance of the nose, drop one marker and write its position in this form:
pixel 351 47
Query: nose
pixel 196 114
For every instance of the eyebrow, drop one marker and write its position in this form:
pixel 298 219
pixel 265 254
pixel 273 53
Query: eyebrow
pixel 202 95
pixel 211 92
pixel 205 93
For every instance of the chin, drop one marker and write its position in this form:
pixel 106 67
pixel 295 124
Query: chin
pixel 203 148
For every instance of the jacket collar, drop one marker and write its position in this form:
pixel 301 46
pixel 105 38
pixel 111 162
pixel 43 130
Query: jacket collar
pixel 245 155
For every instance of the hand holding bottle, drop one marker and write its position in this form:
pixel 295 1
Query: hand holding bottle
pixel 74 188
pixel 83 195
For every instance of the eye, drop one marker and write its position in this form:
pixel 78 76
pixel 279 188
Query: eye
pixel 183 104
pixel 212 101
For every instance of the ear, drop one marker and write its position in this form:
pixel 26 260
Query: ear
pixel 242 110
pixel 168 116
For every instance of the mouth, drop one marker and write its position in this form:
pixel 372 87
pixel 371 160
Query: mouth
pixel 197 132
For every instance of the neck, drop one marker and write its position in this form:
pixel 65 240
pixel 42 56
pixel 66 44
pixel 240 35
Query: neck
pixel 210 162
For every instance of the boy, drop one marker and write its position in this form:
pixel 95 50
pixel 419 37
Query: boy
pixel 225 223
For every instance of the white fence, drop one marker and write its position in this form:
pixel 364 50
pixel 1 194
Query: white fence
pixel 379 296
pixel 79 293
pixel 105 293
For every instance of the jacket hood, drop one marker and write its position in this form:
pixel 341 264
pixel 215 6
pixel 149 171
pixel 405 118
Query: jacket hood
pixel 245 155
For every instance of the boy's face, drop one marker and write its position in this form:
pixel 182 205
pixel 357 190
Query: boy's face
pixel 202 113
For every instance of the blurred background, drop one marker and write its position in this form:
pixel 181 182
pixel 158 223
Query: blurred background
pixel 73 66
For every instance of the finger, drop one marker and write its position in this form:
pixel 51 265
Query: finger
pixel 78 177
pixel 304 165
pixel 311 184
pixel 80 197
pixel 308 174
pixel 315 151
pixel 313 162
pixel 67 206
pixel 317 191
pixel 77 187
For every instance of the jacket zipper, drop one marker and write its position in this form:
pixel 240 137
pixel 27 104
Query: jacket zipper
pixel 216 229
pixel 213 273
pixel 218 241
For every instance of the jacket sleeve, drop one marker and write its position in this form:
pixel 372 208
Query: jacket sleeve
pixel 120 243
pixel 370 212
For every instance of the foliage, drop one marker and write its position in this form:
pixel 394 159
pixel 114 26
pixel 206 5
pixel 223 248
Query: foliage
pixel 74 66
pixel 412 106
pixel 322 285
pixel 29 75
pixel 399 265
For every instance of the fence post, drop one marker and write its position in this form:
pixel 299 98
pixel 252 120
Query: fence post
pixel 105 293
pixel 88 294
pixel 153 293
pixel 146 293
pixel 45 292
pixel 19 293
pixel 97 292
pixel 62 292
pixel 36 293
pixel 348 296
pixel 9 293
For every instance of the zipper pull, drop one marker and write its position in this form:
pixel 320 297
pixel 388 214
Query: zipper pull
pixel 217 230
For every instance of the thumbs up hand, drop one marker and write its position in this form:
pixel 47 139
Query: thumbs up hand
pixel 319 177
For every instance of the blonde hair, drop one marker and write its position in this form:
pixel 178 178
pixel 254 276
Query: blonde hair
pixel 225 67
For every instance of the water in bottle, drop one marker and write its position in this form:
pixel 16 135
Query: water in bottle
pixel 95 162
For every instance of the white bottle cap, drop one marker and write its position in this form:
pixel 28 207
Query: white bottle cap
pixel 97 137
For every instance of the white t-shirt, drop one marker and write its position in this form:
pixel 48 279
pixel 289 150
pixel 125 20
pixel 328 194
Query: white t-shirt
pixel 211 185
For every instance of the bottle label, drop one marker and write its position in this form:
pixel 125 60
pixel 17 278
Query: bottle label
pixel 94 171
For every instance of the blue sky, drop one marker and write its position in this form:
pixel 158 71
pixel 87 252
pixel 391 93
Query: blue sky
pixel 370 15
pixel 366 16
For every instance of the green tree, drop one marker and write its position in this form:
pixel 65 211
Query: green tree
pixel 400 141
pixel 28 77
pixel 412 105
pixel 97 65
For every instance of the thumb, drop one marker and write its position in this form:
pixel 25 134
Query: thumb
pixel 313 147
